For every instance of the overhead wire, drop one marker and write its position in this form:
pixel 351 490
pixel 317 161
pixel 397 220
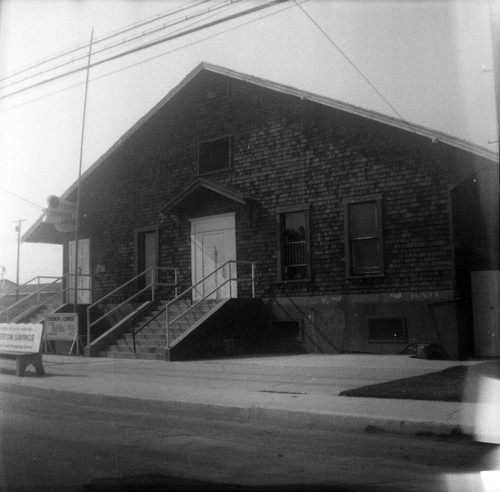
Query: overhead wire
pixel 175 35
pixel 104 37
pixel 146 46
pixel 360 72
pixel 117 43
pixel 179 48
pixel 19 197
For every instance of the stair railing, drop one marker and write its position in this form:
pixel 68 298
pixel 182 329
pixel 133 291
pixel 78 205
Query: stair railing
pixel 17 288
pixel 228 281
pixel 150 277
pixel 33 298
pixel 156 316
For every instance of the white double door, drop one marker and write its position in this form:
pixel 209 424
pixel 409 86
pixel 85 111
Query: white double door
pixel 83 276
pixel 213 243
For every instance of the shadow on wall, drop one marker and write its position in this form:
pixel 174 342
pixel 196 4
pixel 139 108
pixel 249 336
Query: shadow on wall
pixel 319 326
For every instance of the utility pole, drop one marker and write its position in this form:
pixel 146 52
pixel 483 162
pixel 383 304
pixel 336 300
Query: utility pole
pixel 18 230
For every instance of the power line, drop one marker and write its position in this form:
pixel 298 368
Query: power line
pixel 147 45
pixel 78 84
pixel 344 54
pixel 105 37
pixel 116 44
pixel 188 45
pixel 15 195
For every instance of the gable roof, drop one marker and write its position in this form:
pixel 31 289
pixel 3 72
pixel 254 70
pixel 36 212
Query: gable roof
pixel 178 202
pixel 434 135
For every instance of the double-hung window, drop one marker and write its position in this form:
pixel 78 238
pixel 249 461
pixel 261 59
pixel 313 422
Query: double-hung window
pixel 294 258
pixel 363 236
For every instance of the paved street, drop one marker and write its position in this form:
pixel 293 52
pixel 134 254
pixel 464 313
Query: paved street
pixel 302 389
pixel 70 441
pixel 103 424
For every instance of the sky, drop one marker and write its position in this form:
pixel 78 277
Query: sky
pixel 429 62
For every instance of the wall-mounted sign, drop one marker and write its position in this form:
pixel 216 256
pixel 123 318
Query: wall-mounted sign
pixel 61 213
pixel 20 337
pixel 61 326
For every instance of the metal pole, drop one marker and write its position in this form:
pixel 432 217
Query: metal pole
pixel 153 280
pixel 253 280
pixel 495 37
pixel 167 327
pixel 77 219
pixel 18 230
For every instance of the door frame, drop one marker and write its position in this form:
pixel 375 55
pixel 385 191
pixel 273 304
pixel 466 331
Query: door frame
pixel 81 292
pixel 211 224
pixel 140 233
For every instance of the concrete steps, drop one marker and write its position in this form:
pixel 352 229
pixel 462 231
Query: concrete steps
pixel 150 329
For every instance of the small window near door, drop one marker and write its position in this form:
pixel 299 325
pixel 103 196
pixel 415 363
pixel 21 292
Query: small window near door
pixel 215 155
pixel 363 236
pixel 293 244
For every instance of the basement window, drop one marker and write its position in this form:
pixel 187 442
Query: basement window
pixel 215 155
pixel 387 330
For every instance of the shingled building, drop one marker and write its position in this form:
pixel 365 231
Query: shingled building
pixel 350 230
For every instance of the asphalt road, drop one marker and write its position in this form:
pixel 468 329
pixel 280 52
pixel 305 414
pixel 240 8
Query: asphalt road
pixel 56 441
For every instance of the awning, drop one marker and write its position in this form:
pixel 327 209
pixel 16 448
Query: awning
pixel 42 232
pixel 197 190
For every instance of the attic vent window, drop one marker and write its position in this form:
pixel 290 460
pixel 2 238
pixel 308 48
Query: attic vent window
pixel 216 89
pixel 386 330
pixel 215 155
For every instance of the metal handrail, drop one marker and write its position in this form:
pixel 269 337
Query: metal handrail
pixel 15 288
pixel 149 286
pixel 134 333
pixel 192 287
pixel 32 295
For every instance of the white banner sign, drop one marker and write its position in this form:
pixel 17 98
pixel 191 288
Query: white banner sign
pixel 61 326
pixel 20 337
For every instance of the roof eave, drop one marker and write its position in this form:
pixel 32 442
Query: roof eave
pixel 333 103
pixel 379 117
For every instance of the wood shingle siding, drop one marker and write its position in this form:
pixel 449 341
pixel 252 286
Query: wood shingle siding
pixel 287 151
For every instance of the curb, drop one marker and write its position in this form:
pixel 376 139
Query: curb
pixel 253 415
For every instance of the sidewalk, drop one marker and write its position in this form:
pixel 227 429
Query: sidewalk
pixel 299 390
